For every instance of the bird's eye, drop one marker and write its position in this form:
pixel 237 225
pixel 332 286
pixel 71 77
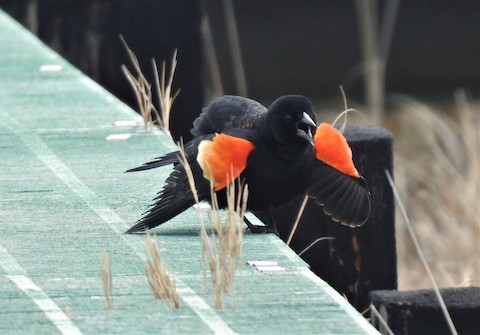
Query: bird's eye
pixel 288 117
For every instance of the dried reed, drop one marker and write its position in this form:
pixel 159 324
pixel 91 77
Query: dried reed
pixel 143 91
pixel 106 277
pixel 222 247
pixel 164 91
pixel 158 278
pixel 437 172
pixel 421 255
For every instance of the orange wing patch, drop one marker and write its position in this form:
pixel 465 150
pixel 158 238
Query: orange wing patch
pixel 223 159
pixel 332 148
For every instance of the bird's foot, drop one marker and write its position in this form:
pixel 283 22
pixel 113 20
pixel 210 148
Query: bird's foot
pixel 256 229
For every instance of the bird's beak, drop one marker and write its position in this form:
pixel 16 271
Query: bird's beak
pixel 307 133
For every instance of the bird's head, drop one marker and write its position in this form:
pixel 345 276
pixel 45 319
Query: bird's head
pixel 291 119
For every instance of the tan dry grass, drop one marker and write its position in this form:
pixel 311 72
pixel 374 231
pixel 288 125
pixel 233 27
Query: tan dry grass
pixel 222 247
pixel 158 278
pixel 106 277
pixel 421 255
pixel 437 173
pixel 142 89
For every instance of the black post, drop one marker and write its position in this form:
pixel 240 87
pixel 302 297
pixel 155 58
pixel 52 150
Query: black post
pixel 356 261
pixel 419 312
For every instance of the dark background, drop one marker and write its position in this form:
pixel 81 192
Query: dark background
pixel 305 47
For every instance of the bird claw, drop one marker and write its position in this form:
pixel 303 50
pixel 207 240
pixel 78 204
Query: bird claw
pixel 256 229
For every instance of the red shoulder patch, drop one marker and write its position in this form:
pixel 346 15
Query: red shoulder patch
pixel 223 159
pixel 332 148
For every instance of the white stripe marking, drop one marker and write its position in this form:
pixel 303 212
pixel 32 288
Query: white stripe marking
pixel 16 274
pixel 44 153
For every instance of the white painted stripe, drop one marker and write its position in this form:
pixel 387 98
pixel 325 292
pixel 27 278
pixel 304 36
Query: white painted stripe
pixel 9 264
pixel 17 275
pixel 203 310
pixel 48 306
pixel 43 152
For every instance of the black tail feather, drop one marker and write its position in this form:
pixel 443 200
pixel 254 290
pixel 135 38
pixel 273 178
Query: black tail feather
pixel 170 158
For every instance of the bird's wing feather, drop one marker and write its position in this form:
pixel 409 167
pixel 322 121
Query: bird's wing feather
pixel 346 199
pixel 336 184
pixel 176 195
pixel 170 158
pixel 218 158
pixel 228 112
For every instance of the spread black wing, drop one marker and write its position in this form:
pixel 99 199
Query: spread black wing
pixel 346 199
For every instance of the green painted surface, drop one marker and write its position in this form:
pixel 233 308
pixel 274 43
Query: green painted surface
pixel 64 198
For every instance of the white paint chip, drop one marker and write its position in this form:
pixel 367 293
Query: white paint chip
pixel 118 137
pixel 51 68
pixel 202 205
pixel 125 123
pixel 266 266
pixel 270 268
pixel 262 263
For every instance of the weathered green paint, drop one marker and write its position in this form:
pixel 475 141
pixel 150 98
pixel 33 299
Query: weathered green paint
pixel 64 198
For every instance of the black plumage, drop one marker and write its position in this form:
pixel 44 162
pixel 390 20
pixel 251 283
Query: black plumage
pixel 281 166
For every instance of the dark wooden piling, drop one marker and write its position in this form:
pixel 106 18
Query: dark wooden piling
pixel 419 312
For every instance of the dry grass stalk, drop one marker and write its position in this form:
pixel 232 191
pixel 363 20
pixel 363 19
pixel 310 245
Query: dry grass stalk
pixel 376 315
pixel 141 87
pixel 158 278
pixel 235 49
pixel 375 45
pixel 215 88
pixel 191 180
pixel 421 255
pixel 143 91
pixel 297 221
pixel 437 172
pixel 164 91
pixel 320 239
pixel 223 247
pixel 106 276
pixel 188 170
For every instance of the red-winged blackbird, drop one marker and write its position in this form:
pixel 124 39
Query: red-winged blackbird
pixel 272 151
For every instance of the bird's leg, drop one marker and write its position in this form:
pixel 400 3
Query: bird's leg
pixel 270 225
pixel 255 228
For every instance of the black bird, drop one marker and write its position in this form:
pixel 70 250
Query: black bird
pixel 271 150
